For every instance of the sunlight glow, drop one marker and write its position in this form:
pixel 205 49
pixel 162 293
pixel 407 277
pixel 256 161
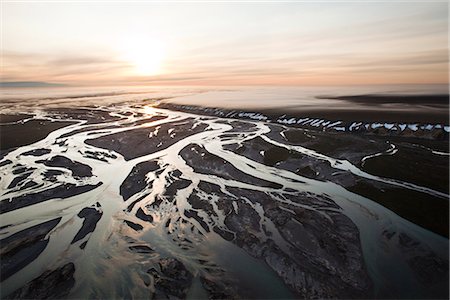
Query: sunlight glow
pixel 149 110
pixel 146 55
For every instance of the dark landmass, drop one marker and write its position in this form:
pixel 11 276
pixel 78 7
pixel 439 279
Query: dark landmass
pixel 54 284
pixel 422 209
pixel 78 169
pixel 337 122
pixel 37 152
pixel 143 216
pixel 91 216
pixel 141 249
pixel 413 163
pixel 206 163
pixel 21 248
pixel 135 181
pixel 13 118
pixel 25 84
pixel 22 134
pixel 426 109
pixel 393 115
pixel 324 259
pixel 61 191
pixel 172 280
pixel 18 179
pixel 375 100
pixel 92 115
pixel 135 143
pixel 135 226
pixel 101 118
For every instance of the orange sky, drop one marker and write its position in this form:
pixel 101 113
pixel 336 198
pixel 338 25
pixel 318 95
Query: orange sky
pixel 225 43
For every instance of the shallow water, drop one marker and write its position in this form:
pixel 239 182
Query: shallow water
pixel 289 235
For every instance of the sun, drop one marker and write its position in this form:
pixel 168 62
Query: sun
pixel 144 54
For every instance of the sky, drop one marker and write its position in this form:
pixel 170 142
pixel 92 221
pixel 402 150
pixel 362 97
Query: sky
pixel 240 43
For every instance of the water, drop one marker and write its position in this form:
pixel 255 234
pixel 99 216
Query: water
pixel 288 232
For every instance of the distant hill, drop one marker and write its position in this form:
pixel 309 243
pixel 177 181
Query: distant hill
pixel 29 84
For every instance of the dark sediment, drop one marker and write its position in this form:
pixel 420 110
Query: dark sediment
pixel 136 180
pixel 5 162
pixel 422 209
pixel 61 191
pixel 203 204
pixel 136 143
pixel 193 214
pixel 91 216
pixel 37 152
pixel 51 175
pixel 375 100
pixel 143 216
pixel 432 108
pixel 317 253
pixel 176 185
pixel 54 284
pixel 206 163
pixel 135 226
pixel 172 280
pixel 217 289
pixel 92 116
pixel 379 115
pixel 368 115
pixel 141 249
pixel 101 127
pixel 99 155
pixel 21 248
pixel 78 169
pixel 18 179
pixel 22 134
pixel 413 164
pixel 13 118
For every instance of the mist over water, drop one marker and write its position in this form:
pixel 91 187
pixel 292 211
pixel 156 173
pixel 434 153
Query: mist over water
pixel 122 198
pixel 251 96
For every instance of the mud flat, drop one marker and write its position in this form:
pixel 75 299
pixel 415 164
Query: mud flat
pixel 21 130
pixel 422 116
pixel 135 201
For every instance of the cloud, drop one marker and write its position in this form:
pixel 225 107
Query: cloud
pixel 80 60
pixel 19 66
pixel 294 42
